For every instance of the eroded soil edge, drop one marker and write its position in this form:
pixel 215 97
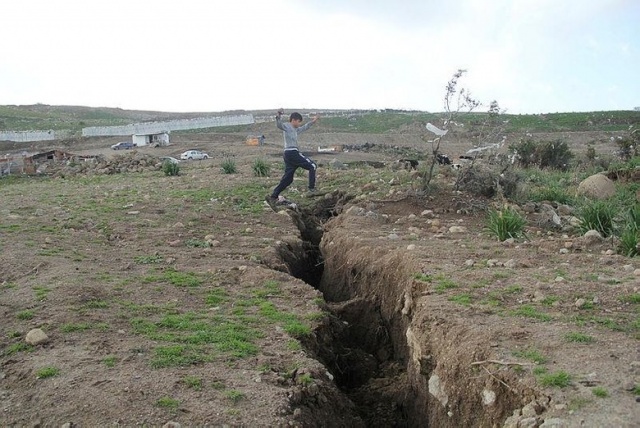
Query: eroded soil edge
pixel 398 364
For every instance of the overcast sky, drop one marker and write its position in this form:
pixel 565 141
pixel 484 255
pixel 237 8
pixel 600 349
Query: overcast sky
pixel 532 56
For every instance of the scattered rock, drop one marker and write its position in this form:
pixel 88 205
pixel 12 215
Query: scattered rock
pixel 36 337
pixel 597 186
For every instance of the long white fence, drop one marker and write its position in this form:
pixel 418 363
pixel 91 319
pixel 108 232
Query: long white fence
pixel 148 128
pixel 26 136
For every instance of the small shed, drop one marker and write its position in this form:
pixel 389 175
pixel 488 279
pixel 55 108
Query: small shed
pixel 154 140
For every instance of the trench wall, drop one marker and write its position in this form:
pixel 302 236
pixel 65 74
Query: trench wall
pixel 436 348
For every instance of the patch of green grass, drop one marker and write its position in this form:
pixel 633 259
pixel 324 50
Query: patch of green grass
pixel 261 168
pixel 74 327
pixel 549 300
pixel 539 370
pixel 532 355
pixel 229 166
pixel 168 403
pixel 197 243
pixel 41 292
pixel 294 345
pixel 558 379
pixel 296 328
pixel 597 215
pixel 27 314
pixel 234 395
pixel 423 277
pixel 182 279
pixel 305 379
pixel 600 392
pixel 216 296
pixel 176 356
pixel 631 298
pixel 505 224
pixel 96 304
pixel 462 299
pixel 18 347
pixel 291 324
pixel 110 361
pixel 573 336
pixel 444 284
pixel 147 260
pixel 270 288
pixel 528 311
pixel 47 372
pixel 193 382
pixel 513 289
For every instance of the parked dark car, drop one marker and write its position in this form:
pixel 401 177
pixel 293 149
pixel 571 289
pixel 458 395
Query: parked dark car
pixel 123 145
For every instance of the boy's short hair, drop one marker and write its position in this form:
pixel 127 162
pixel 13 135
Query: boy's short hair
pixel 295 116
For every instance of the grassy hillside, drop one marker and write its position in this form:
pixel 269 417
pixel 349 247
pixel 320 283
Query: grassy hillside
pixel 45 117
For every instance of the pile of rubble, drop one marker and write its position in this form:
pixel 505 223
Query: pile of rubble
pixel 122 163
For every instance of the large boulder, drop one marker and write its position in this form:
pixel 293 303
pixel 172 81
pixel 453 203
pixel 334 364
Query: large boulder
pixel 597 186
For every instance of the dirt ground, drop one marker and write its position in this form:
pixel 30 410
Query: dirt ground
pixel 418 317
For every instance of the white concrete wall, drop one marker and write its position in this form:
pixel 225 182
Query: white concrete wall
pixel 26 136
pixel 171 125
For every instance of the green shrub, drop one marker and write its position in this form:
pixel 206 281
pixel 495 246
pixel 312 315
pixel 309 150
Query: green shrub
pixel 46 372
pixel 550 154
pixel 559 379
pixel 505 224
pixel 629 241
pixel 552 194
pixel 229 166
pixel 526 151
pixel 555 155
pixel 598 215
pixel 170 168
pixel 261 168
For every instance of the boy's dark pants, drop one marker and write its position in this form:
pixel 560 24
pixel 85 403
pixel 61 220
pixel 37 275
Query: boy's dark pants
pixel 293 160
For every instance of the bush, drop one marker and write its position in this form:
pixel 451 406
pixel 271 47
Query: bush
pixel 505 224
pixel 170 168
pixel 597 215
pixel 261 168
pixel 551 154
pixel 630 236
pixel 526 151
pixel 229 166
pixel 555 155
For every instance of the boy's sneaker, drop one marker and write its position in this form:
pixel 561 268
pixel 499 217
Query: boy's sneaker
pixel 273 202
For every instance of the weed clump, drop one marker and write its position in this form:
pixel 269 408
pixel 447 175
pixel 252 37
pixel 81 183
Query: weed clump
pixel 229 166
pixel 505 224
pixel 170 168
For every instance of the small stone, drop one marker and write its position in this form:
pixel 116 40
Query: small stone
pixel 36 337
pixel 580 303
pixel 488 397
pixel 553 423
pixel 411 247
pixel 171 424
pixel 510 264
pixel 469 263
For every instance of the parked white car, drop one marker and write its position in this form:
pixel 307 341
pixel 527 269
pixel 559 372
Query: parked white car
pixel 194 154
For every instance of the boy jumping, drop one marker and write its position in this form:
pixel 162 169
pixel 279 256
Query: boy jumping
pixel 293 159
